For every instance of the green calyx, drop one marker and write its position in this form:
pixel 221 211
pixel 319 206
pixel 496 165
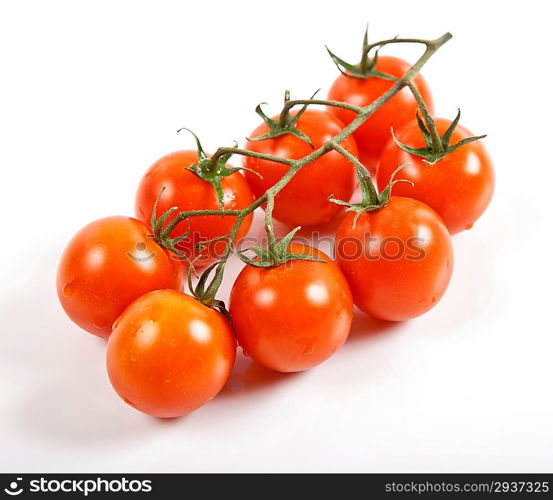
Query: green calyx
pixel 212 170
pixel 276 255
pixel 435 150
pixel 286 123
pixel 203 294
pixel 371 200
pixel 366 68
pixel 163 235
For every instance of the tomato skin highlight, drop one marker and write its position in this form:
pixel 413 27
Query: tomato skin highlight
pixel 459 187
pixel 292 317
pixel 185 190
pixel 374 133
pixel 108 264
pixel 404 270
pixel 304 200
pixel 169 354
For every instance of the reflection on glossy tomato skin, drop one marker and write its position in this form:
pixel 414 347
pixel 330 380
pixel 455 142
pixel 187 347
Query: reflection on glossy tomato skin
pixel 459 187
pixel 374 133
pixel 292 317
pixel 397 260
pixel 108 264
pixel 169 354
pixel 185 190
pixel 304 200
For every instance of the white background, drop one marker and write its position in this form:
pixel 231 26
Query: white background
pixel 91 93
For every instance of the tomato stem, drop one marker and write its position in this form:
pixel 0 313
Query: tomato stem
pixel 209 293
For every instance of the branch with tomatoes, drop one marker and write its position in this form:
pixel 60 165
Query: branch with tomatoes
pixel 421 179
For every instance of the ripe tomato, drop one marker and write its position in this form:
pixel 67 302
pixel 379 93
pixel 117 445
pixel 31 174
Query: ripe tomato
pixel 304 200
pixel 459 186
pixel 169 354
pixel 292 317
pixel 372 136
pixel 107 265
pixel 397 260
pixel 185 190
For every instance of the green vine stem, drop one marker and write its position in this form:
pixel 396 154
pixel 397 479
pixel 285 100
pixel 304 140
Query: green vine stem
pixel 431 46
pixel 429 120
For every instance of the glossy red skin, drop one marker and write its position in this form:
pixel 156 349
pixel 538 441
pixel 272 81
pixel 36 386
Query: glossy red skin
pixel 304 200
pixel 372 136
pixel 168 354
pixel 459 187
pixel 106 266
pixel 292 317
pixel 389 284
pixel 185 190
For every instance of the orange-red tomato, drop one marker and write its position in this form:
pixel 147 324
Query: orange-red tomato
pixel 107 265
pixel 372 136
pixel 304 200
pixel 185 190
pixel 169 354
pixel 397 260
pixel 292 317
pixel 459 187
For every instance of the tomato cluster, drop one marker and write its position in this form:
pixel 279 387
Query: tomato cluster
pixel 291 306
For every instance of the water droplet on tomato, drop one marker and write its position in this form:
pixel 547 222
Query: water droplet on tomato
pixel 100 322
pixel 69 288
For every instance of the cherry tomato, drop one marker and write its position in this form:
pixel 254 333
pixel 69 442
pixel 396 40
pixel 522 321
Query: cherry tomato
pixel 107 265
pixel 304 200
pixel 372 136
pixel 169 354
pixel 397 260
pixel 459 186
pixel 185 190
pixel 292 317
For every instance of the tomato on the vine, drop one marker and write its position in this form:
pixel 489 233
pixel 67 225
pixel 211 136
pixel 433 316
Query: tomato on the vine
pixel 292 317
pixel 304 200
pixel 187 191
pixel 169 354
pixel 397 259
pixel 108 264
pixel 373 134
pixel 458 186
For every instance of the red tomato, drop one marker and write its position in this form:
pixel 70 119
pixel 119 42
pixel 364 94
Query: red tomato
pixel 372 136
pixel 459 187
pixel 185 190
pixel 107 265
pixel 397 260
pixel 292 317
pixel 304 200
pixel 169 354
